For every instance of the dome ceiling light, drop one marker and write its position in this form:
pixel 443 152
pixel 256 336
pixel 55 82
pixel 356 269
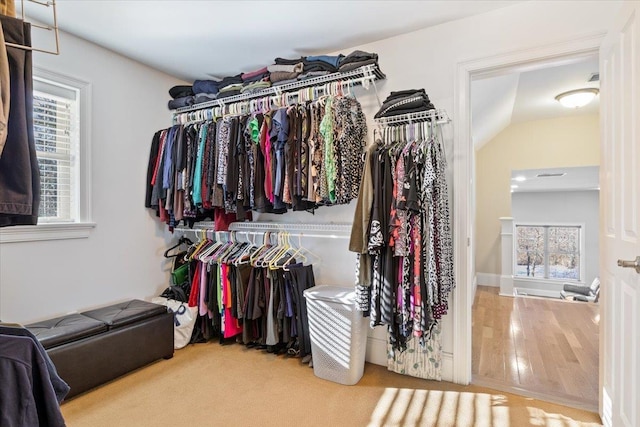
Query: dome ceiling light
pixel 577 98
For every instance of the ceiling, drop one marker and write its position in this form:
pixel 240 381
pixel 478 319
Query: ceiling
pixel 571 179
pixel 203 39
pixel 199 39
pixel 518 97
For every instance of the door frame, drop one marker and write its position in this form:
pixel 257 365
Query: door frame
pixel 464 190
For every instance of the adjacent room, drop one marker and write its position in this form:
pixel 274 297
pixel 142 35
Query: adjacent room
pixel 537 177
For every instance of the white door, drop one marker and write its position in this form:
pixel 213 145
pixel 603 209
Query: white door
pixel 620 219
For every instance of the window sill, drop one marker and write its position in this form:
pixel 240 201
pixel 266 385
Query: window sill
pixel 558 282
pixel 46 231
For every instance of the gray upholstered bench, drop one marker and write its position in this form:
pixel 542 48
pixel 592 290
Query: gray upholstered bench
pixel 97 346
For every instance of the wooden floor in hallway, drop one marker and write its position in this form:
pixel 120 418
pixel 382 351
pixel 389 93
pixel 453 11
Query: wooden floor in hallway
pixel 542 346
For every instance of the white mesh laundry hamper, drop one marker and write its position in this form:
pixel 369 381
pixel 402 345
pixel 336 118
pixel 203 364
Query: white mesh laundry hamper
pixel 338 334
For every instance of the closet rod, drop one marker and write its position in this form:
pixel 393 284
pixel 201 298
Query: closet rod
pixel 53 28
pixel 362 75
pixel 303 230
pixel 262 233
pixel 275 226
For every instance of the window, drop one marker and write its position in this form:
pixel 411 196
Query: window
pixel 56 129
pixel 548 252
pixel 61 122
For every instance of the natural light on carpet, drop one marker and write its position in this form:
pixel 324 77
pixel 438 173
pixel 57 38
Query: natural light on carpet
pixel 416 407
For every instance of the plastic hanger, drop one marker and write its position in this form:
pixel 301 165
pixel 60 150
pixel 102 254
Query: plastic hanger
pixel 243 255
pixel 205 255
pixel 275 249
pixel 300 252
pixel 265 256
pixel 265 245
pixel 286 247
pixel 183 240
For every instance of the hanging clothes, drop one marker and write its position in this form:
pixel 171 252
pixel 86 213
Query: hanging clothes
pixel 244 291
pixel 19 170
pixel 405 243
pixel 5 91
pixel 299 157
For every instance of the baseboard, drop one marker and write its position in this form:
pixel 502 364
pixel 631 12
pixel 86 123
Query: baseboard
pixel 447 366
pixel 376 351
pixel 536 292
pixel 488 279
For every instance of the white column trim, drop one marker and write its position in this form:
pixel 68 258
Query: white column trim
pixel 506 247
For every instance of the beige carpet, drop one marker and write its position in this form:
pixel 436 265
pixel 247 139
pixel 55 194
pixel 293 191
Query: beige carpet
pixel 213 385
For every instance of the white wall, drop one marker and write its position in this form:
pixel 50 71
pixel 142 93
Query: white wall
pixel 122 258
pixel 563 207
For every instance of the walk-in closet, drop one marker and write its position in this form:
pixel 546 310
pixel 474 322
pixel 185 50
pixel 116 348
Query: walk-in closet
pixel 281 212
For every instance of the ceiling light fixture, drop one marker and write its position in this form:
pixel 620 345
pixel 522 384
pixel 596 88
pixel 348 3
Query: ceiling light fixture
pixel 577 98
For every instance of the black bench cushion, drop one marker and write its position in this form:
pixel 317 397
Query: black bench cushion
pixel 125 313
pixel 64 329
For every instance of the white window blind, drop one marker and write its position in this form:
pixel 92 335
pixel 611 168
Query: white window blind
pixel 56 130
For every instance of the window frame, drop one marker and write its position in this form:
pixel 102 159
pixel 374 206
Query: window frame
pixel 83 226
pixel 581 270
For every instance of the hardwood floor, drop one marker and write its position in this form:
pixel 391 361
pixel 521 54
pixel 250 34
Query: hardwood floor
pixel 539 345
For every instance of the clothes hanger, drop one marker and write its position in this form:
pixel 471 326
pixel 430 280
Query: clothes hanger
pixel 217 256
pixel 214 245
pixel 181 241
pixel 266 240
pixel 241 256
pixel 263 259
pixel 275 250
pixel 300 252
pixel 235 248
pixel 273 264
pixel 254 249
pixel 198 248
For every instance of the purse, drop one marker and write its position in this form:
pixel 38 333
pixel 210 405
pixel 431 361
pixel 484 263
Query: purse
pixel 180 275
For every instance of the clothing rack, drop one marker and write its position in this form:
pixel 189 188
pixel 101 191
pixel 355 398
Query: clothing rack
pixel 54 27
pixel 388 126
pixel 435 116
pixel 282 95
pixel 333 231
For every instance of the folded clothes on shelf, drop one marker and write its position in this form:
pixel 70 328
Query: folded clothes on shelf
pixel 283 71
pixel 356 59
pixel 180 91
pixel 405 102
pixel 184 101
pixel 285 68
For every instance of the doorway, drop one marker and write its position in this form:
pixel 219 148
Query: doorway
pixel 466 196
pixel 537 229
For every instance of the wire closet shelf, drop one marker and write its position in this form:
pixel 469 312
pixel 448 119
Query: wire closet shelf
pixel 362 76
pixel 330 230
pixel 434 116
